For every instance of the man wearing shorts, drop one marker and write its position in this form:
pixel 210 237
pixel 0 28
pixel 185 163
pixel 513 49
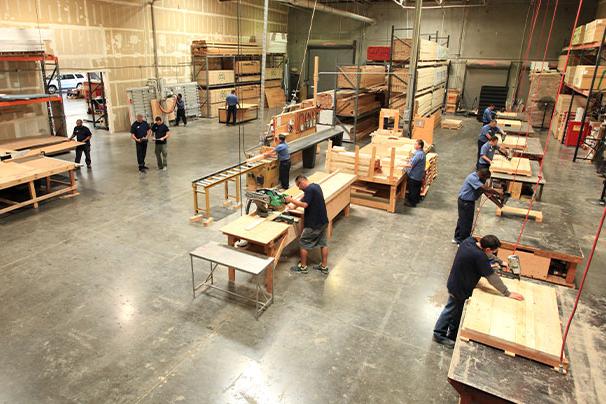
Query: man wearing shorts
pixel 315 222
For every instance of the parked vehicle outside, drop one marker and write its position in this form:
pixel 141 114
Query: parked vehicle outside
pixel 70 81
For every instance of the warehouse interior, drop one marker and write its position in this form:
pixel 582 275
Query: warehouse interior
pixel 367 201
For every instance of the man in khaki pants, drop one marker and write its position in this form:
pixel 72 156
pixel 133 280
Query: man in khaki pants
pixel 161 134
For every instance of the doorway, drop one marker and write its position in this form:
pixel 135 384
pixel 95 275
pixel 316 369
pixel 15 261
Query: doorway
pixel 84 98
pixel 330 57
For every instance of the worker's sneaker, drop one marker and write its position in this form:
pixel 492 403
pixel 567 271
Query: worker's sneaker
pixel 300 268
pixel 319 267
pixel 453 241
pixel 447 342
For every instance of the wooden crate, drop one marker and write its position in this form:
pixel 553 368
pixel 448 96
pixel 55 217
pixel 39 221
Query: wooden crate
pixel 214 96
pixel 584 74
pixel 273 83
pixel 594 31
pixel 369 76
pixel 247 112
pixel 215 77
pixel 273 73
pixel 247 67
pixel 250 78
pixel 579 35
pixel 249 91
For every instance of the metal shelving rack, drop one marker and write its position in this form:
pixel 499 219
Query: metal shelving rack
pixel 54 103
pixel 342 120
pixel 97 106
pixel 589 94
pixel 201 63
pixel 392 65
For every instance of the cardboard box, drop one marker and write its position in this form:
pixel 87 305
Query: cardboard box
pixel 569 76
pixel 579 35
pixel 584 74
pixel 248 67
pixel 272 73
pixel 564 102
pixel 216 77
pixel 543 85
pixel 573 60
pixel 594 31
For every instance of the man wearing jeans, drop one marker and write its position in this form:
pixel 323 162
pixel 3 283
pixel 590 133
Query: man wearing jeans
pixel 140 132
pixel 471 262
pixel 232 103
pixel 472 189
pixel 315 222
pixel 82 134
pixel 161 134
pixel 415 171
pixel 487 132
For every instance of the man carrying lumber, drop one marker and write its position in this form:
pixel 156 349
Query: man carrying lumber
pixel 281 150
pixel 315 222
pixel 472 261
pixel 473 188
pixel 415 171
pixel 232 104
pixel 487 132
pixel 487 152
pixel 83 135
pixel 488 114
pixel 140 133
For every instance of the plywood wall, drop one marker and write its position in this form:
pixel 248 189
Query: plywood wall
pixel 115 36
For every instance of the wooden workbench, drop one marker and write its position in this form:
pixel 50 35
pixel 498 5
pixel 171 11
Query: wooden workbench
pixel 27 170
pixel 533 149
pixel 482 374
pixel 512 181
pixel 551 244
pixel 270 238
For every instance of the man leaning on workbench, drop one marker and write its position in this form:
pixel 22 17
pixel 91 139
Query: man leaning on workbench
pixel 472 261
pixel 487 132
pixel 315 223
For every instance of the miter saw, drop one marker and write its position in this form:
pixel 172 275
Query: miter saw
pixel 513 270
pixel 266 200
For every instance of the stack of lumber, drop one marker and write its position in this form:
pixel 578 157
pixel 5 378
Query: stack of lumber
pixel 209 48
pixel 346 103
pixel 364 127
pixel 452 124
pixel 430 76
pixel 515 166
pixel 437 99
pixel 428 50
pixel 36 145
pixel 360 76
pixel 398 102
pixel 423 104
pixel 515 142
pixel 399 80
pixel 431 172
pixel 452 100
pixel 543 86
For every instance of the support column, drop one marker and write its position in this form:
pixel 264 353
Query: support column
pixel 414 59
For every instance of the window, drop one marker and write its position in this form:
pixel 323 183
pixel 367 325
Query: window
pixel 67 77
pixel 79 76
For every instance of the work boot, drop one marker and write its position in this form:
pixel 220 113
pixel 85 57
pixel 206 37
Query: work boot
pixel 300 268
pixel 447 342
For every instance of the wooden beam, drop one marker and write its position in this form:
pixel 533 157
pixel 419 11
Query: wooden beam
pixel 535 214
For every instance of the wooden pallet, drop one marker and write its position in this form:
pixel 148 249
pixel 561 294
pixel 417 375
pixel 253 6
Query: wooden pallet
pixel 515 166
pixel 515 142
pixel 529 328
pixel 449 123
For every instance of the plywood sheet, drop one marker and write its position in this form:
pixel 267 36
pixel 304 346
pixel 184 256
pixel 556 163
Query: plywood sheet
pixel 275 97
pixel 31 142
pixel 515 142
pixel 530 328
pixel 533 266
pixel 515 166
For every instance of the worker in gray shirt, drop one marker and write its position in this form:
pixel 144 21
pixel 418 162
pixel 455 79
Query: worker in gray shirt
pixel 180 111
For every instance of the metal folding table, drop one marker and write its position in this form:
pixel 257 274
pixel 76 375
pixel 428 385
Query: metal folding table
pixel 221 255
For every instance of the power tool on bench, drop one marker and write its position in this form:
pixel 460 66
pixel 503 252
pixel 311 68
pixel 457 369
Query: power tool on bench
pixel 514 270
pixel 507 155
pixel 499 199
pixel 266 200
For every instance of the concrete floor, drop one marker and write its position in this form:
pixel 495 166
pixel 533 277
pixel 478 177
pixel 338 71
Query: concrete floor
pixel 96 301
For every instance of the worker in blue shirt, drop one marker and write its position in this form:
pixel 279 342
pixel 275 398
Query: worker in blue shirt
pixel 232 104
pixel 140 133
pixel 283 154
pixel 82 134
pixel 471 262
pixel 487 132
pixel 415 171
pixel 487 152
pixel 489 114
pixel 473 188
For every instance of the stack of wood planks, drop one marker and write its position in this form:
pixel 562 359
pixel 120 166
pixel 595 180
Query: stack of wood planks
pixel 210 48
pixel 452 123
pixel 360 76
pixel 431 76
pixel 431 172
pixel 515 142
pixel 275 97
pixel 543 86
pixel 428 50
pixel 399 80
pixel 364 127
pixel 452 100
pixel 515 166
pixel 346 103
pixel 36 145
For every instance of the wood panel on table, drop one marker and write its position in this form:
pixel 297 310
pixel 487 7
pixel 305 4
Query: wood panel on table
pixel 529 328
pixel 515 166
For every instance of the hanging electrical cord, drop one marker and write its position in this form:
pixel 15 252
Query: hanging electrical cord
pixel 240 128
pixel 576 300
pixel 311 23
